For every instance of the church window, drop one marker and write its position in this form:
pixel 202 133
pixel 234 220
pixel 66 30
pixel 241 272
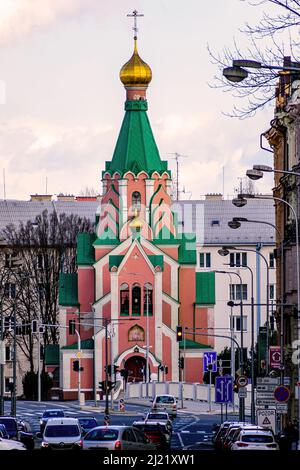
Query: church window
pixel 148 304
pixel 136 200
pixel 136 299
pixel 136 333
pixel 124 299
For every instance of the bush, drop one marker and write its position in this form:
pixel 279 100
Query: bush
pixel 30 385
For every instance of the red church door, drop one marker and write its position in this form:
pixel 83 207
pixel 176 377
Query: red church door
pixel 136 368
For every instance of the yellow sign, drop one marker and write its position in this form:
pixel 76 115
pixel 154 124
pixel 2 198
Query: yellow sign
pixel 78 354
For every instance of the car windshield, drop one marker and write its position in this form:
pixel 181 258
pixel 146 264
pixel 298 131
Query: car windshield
pixel 102 435
pixel 54 414
pixel 62 430
pixel 148 427
pixel 88 422
pixel 10 424
pixel 165 399
pixel 158 416
pixel 260 438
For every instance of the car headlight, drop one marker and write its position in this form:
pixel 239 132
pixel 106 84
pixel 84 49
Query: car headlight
pixel 41 421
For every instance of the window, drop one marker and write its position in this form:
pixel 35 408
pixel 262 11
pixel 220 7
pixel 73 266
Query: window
pixel 235 291
pixel 148 292
pixel 272 291
pixel 136 200
pixel 136 299
pixel 124 299
pixel 238 259
pixel 9 259
pixel 42 261
pixel 8 381
pixel 215 223
pixel 205 260
pixel 128 435
pixel 237 323
pixel 271 260
pixel 10 290
pixel 8 353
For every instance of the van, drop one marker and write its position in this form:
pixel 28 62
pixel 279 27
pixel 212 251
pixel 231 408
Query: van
pixel 166 403
pixel 62 434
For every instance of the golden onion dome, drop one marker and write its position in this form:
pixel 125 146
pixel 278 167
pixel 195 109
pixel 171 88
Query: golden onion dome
pixel 135 73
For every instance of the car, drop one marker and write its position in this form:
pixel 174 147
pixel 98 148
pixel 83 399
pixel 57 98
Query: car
pixel 11 444
pixel 161 417
pixel 3 432
pixel 87 423
pixel 116 438
pixel 219 436
pixel 156 432
pixel 62 434
pixel 232 431
pixel 53 413
pixel 11 425
pixel 255 439
pixel 18 430
pixel 166 403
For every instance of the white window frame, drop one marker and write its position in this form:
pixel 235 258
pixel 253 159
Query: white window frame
pixel 206 256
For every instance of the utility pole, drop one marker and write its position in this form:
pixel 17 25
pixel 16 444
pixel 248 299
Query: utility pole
pixel 176 158
pixel 14 390
pixel 2 361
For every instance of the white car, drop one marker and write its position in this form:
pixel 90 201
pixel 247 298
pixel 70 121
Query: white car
pixel 166 403
pixel 10 444
pixel 116 438
pixel 255 439
pixel 161 417
pixel 62 434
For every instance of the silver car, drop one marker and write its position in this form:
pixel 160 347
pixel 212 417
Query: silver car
pixel 62 434
pixel 166 403
pixel 116 438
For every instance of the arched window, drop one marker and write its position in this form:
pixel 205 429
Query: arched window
pixel 136 200
pixel 148 299
pixel 136 299
pixel 124 299
pixel 136 333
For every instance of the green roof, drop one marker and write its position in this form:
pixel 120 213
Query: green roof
pixel 115 260
pixel 107 237
pixel 68 289
pixel 205 288
pixel 157 260
pixel 187 249
pixel 136 149
pixel 51 354
pixel 85 249
pixel 189 344
pixel 85 344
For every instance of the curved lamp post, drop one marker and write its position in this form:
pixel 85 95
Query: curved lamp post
pixel 237 73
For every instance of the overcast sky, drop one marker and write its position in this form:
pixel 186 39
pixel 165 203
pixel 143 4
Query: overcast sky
pixel 64 102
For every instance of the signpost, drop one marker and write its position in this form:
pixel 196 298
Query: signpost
pixel 243 392
pixel 267 419
pixel 265 391
pixel 282 394
pixel 224 389
pixel 210 365
pixel 242 381
pixel 274 357
pixel 282 408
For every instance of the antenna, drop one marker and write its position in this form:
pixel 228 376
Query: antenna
pixel 4 186
pixel 46 185
pixel 177 156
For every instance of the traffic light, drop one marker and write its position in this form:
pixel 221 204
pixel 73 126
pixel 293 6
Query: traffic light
pixel 34 325
pixel 76 366
pixel 71 327
pixel 108 369
pixel 179 333
pixel 102 385
pixel 181 362
pixel 166 370
pixel 235 387
pixel 107 387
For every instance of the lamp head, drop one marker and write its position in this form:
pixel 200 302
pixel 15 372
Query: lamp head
pixel 223 251
pixel 239 201
pixel 266 168
pixel 235 74
pixel 254 174
pixel 234 224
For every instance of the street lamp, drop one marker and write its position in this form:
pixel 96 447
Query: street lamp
pixel 237 72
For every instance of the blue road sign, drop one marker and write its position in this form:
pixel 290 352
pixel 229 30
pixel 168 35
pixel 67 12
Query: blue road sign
pixel 282 394
pixel 210 359
pixel 224 389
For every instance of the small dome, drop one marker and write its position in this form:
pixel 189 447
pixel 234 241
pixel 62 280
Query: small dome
pixel 135 73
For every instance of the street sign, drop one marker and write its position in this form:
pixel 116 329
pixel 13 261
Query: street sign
pixel 274 357
pixel 282 394
pixel 267 380
pixel 282 408
pixel 268 395
pixel 265 388
pixel 286 380
pixel 78 354
pixel 242 381
pixel 121 405
pixel 242 392
pixel 267 419
pixel 265 402
pixel 224 389
pixel 210 359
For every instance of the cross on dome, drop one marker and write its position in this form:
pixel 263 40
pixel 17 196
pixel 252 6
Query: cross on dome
pixel 135 15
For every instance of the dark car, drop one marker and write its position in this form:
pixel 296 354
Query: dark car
pixel 3 432
pixel 54 413
pixel 18 430
pixel 87 423
pixel 154 432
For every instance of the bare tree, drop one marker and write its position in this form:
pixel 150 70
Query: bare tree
pixel 46 247
pixel 273 41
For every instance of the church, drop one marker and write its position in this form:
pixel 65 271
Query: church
pixel 136 279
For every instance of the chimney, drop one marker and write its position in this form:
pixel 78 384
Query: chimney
pixel 214 197
pixel 40 197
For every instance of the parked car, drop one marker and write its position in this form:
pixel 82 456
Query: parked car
pixel 87 423
pixel 54 413
pixel 11 444
pixel 255 439
pixel 18 430
pixel 219 436
pixel 166 403
pixel 161 417
pixel 62 434
pixel 11 425
pixel 157 433
pixel 3 432
pixel 116 438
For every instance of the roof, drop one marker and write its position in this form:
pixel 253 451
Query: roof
pixel 136 149
pixel 189 344
pixel 194 216
pixel 51 354
pixel 68 289
pixel 85 344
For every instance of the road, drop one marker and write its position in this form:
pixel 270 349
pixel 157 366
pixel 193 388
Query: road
pixel 191 431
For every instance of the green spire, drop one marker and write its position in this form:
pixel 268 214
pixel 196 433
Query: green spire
pixel 136 149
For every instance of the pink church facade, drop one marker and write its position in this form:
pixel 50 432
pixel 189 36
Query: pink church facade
pixel 136 273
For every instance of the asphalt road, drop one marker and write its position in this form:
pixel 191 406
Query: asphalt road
pixel 190 431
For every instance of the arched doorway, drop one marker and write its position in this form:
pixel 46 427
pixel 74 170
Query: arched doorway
pixel 135 366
